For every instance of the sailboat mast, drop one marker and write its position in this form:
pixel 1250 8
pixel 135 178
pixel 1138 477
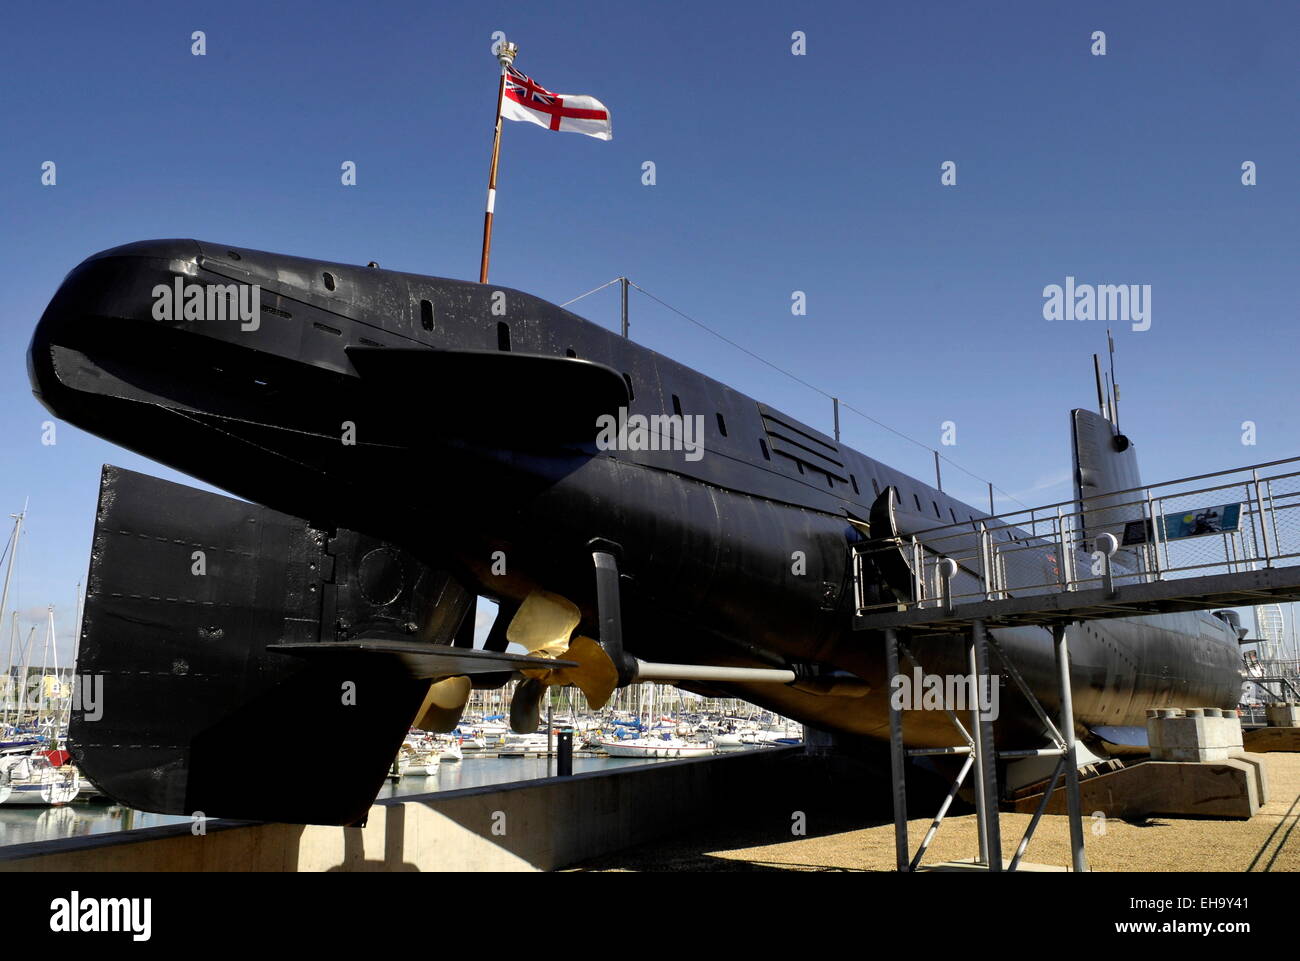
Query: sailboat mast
pixel 43 701
pixel 80 607
pixel 27 667
pixel 12 551
pixel 10 680
pixel 58 680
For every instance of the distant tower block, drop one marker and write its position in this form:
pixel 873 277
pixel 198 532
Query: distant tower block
pixel 1270 628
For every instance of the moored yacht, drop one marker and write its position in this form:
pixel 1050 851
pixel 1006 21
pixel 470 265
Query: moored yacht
pixel 33 780
pixel 522 745
pixel 418 758
pixel 654 747
pixel 449 751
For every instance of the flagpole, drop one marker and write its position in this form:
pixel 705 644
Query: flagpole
pixel 506 56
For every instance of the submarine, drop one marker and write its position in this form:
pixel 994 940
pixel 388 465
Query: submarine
pixel 395 446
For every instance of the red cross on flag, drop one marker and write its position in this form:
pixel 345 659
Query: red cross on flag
pixel 527 100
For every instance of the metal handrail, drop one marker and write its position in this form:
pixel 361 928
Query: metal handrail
pixel 1000 560
pixel 1143 489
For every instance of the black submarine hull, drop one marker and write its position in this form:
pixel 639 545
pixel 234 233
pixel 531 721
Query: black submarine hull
pixel 465 404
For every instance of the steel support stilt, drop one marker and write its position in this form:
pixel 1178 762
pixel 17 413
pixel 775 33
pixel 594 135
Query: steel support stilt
pixel 897 755
pixel 1066 725
pixel 987 763
pixel 977 751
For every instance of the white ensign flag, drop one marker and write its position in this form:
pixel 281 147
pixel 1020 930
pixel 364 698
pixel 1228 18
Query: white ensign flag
pixel 573 113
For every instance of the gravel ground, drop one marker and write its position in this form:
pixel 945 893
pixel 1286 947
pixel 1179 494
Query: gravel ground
pixel 1270 841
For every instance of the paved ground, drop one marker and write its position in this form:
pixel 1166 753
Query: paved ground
pixel 836 841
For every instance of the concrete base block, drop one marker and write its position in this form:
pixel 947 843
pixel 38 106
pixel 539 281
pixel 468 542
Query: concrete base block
pixel 1266 739
pixel 1261 773
pixel 1204 789
pixel 1197 734
pixel 1283 715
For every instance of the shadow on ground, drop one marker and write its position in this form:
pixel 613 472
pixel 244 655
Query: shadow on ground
pixel 808 797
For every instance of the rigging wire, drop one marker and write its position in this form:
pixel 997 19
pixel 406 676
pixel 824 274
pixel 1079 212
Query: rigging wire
pixel 799 380
pixel 595 289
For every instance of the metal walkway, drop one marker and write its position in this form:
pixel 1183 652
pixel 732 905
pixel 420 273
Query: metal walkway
pixel 1177 546
pixel 1231 538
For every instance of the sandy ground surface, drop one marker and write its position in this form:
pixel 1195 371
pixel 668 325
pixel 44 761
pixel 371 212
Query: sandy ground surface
pixel 835 841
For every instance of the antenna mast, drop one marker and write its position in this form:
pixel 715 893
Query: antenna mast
pixel 1101 396
pixel 1110 342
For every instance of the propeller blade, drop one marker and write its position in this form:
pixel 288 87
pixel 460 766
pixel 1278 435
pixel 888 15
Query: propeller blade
pixel 525 706
pixel 443 705
pixel 596 676
pixel 544 623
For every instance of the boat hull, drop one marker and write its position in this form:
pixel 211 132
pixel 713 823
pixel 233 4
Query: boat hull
pixel 665 750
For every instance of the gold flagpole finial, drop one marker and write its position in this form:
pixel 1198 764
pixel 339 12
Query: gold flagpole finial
pixel 506 52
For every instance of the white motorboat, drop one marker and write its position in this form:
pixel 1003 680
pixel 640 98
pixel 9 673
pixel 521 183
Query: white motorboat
pixel 654 747
pixel 419 767
pixel 418 759
pixel 524 744
pixel 471 741
pixel 769 737
pixel 33 780
pixel 493 733
pixel 451 751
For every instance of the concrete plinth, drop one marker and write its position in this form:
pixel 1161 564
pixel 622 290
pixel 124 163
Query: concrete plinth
pixel 1197 734
pixel 1231 788
pixel 1283 715
pixel 1263 740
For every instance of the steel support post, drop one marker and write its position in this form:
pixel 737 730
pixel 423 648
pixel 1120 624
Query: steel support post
pixel 897 756
pixel 1066 726
pixel 986 765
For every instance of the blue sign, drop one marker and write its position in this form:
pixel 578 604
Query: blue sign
pixel 1195 523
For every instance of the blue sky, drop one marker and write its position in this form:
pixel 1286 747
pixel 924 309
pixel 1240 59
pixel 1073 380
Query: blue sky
pixel 774 173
